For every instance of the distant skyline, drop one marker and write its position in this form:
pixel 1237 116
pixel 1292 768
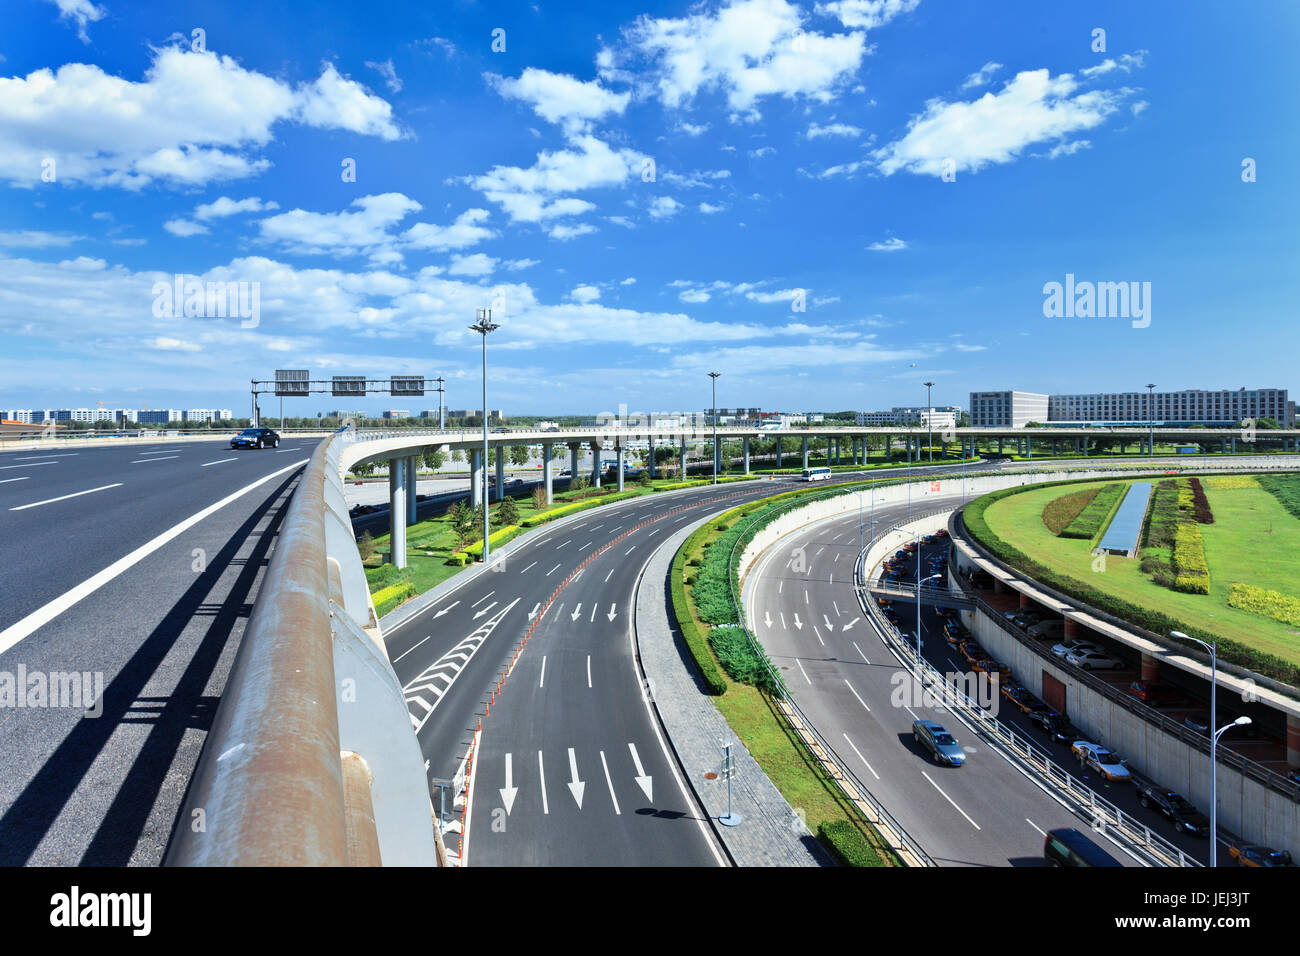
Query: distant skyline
pixel 828 202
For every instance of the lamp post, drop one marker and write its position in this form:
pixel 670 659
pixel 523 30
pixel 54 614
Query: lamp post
pixel 1151 422
pixel 483 326
pixel 714 376
pixel 1214 740
pixel 929 416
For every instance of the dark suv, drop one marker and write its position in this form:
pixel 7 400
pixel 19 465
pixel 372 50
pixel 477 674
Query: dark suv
pixel 255 438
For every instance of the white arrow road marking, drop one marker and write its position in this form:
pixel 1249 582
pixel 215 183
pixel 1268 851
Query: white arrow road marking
pixel 829 625
pixel 533 613
pixel 576 611
pixel 643 780
pixel 541 772
pixel 446 609
pixel 610 784
pixel 798 623
pixel 576 786
pixel 612 613
pixel 479 614
pixel 767 615
pixel 509 791
pixel 849 625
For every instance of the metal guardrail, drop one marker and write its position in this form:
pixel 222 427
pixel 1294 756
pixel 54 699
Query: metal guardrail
pixel 311 760
pixel 1244 765
pixel 1104 814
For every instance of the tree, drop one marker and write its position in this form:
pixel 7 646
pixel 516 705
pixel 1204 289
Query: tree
pixel 578 483
pixel 508 512
pixel 519 454
pixel 464 522
pixel 433 460
pixel 539 499
pixel 363 469
pixel 457 455
pixel 1266 424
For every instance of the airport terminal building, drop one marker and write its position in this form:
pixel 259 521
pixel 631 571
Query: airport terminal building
pixel 1192 406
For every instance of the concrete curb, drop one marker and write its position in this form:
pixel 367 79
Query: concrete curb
pixel 771 833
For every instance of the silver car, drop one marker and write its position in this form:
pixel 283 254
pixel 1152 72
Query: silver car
pixel 1093 658
pixel 942 745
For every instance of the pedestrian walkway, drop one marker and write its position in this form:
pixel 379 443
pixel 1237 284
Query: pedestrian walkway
pixel 771 833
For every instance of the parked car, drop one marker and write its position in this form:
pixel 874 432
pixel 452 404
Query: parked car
pixel 1093 659
pixel 910 547
pixel 1155 694
pixel 971 651
pixel 1172 805
pixel 1070 643
pixel 1199 721
pixel 1056 726
pixel 928 539
pixel 941 533
pixel 884 601
pixel 987 665
pixel 1105 762
pixel 1049 629
pixel 1027 702
pixel 942 745
pixel 256 438
pixel 955 633
pixel 1257 855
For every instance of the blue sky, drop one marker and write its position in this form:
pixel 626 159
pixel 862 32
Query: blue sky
pixel 645 192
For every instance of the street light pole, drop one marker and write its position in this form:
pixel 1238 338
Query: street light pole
pixel 1212 648
pixel 714 376
pixel 1151 422
pixel 483 326
pixel 929 417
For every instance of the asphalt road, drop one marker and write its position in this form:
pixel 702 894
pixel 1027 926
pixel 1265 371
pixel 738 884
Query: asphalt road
pixel 985 813
pixel 103 787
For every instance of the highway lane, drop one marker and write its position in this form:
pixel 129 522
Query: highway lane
pixel 54 535
pixel 985 813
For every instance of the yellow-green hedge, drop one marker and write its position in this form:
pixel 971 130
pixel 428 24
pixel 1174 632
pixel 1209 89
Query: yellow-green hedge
pixel 498 537
pixel 385 599
pixel 1270 604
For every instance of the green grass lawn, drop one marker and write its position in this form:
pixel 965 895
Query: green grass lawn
pixel 1252 540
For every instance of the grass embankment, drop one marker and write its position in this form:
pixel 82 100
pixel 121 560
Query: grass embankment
pixel 433 554
pixel 1253 540
pixel 743 692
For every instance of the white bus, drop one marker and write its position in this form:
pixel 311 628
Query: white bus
pixel 816 474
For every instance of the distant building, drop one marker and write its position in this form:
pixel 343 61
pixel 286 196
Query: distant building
pixel 493 413
pixel 396 413
pixel 1193 406
pixel 207 414
pixel 158 416
pixel 1006 409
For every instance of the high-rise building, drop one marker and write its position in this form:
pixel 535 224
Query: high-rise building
pixel 1007 409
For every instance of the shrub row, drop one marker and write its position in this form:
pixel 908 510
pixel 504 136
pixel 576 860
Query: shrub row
pixel 1093 517
pixel 1163 515
pixel 498 537
pixel 1285 488
pixel 385 599
pixel 695 642
pixel 1060 512
pixel 1230 482
pixel 542 517
pixel 847 844
pixel 1157 622
pixel 739 658
pixel 1270 604
pixel 1201 510
pixel 1191 570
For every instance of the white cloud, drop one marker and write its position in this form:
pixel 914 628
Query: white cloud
pixel 761 152
pixel 709 209
pixel 169 344
pixel 832 129
pixel 82 11
pixel 747 50
pixel 664 207
pixel 194 119
pixel 184 228
pixel 477 264
pixel 623 221
pixel 866 14
pixel 893 244
pixel 389 73
pixel 781 295
pixel 341 232
pixel 585 294
pixel 1127 63
pixel 691 129
pixel 225 206
pixel 981 76
pixel 467 230
pixel 564 233
pixel 695 178
pixel 528 195
pixel 559 98
pixel 630 280
pixel 1068 149
pixel 36 239
pixel 1032 108
pixel 694 296
pixel 515 265
pixel 441 43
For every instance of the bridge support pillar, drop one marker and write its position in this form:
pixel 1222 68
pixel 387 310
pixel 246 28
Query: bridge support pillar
pixel 1150 669
pixel 999 444
pixel 805 453
pixel 412 470
pixel 650 451
pixel 397 468
pixel 618 447
pixel 1071 627
pixel 889 446
pixel 778 450
pixel 1025 601
pixel 681 458
pixel 595 463
pixel 1293 740
pixel 475 478
pixel 501 472
pixel 1077 449
pixel 1234 444
pixel 574 448
pixel 745 440
pixel 546 471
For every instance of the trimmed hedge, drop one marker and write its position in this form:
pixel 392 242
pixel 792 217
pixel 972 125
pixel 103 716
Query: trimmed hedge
pixel 1060 512
pixel 498 537
pixel 1234 652
pixel 1191 570
pixel 1098 511
pixel 847 844
pixel 695 642
pixel 385 599
pixel 743 664
pixel 573 507
pixel 1285 488
pixel 1271 604
pixel 1201 509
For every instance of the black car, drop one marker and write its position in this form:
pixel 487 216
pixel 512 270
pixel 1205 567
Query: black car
pixel 1055 726
pixel 1184 816
pixel 255 438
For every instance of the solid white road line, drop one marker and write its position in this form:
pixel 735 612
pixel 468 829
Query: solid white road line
pixel 75 494
pixel 608 576
pixel 484 598
pixel 610 783
pixel 140 461
pixel 43 457
pixel 862 758
pixel 7 480
pixel 855 694
pixel 950 800
pixel 859 650
pixel 43 615
pixel 542 683
pixel 629 551
pixel 1036 826
pixel 529 566
pixel 541 773
pixel 552 571
pixel 35 464
pixel 802 671
pixel 588 672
